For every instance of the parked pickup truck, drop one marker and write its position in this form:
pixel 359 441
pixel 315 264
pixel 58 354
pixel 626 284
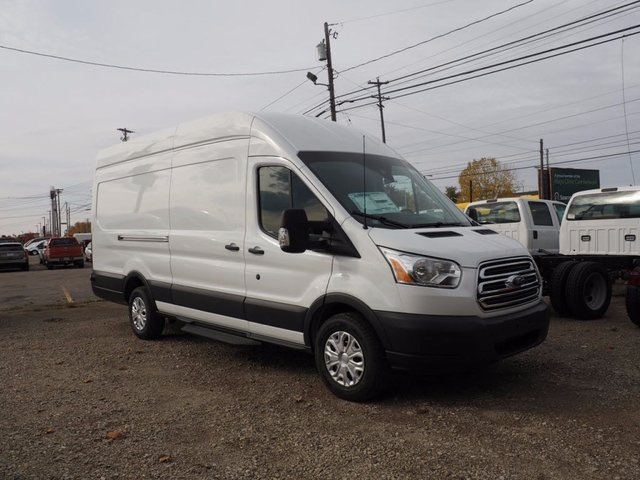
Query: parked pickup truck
pixel 534 223
pixel 63 251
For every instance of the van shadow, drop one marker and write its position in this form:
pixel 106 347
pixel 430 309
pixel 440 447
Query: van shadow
pixel 517 384
pixel 512 385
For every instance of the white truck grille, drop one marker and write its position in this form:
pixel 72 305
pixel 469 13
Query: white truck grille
pixel 507 283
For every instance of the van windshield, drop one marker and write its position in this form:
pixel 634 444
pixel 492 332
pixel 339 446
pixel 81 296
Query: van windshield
pixel 383 191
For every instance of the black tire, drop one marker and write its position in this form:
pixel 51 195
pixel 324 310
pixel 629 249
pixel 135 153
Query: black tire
pixel 588 291
pixel 366 373
pixel 80 264
pixel 632 302
pixel 25 267
pixel 557 288
pixel 144 319
pixel 48 265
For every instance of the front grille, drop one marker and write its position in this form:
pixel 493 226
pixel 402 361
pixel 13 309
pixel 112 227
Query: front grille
pixel 507 283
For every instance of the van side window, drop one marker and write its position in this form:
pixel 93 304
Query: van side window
pixel 540 213
pixel 279 189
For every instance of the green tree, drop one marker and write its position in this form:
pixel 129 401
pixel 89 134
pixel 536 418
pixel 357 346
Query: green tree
pixel 486 178
pixel 453 193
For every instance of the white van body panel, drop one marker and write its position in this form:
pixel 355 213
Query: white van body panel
pixel 462 244
pixel 131 209
pixel 207 209
pixel 604 230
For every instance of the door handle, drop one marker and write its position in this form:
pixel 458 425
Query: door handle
pixel 233 247
pixel 256 251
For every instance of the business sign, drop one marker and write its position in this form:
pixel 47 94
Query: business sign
pixel 567 181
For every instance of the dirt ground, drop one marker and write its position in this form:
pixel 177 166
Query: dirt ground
pixel 82 398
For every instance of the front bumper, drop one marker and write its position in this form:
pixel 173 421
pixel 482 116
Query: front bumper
pixel 22 263
pixel 64 260
pixel 433 342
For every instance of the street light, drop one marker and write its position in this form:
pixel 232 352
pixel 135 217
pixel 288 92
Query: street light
pixel 314 79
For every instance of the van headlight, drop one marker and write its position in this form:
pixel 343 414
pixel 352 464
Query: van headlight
pixel 419 270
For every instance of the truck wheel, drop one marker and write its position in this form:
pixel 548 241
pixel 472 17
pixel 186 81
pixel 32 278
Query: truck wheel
pixel 588 291
pixel 80 264
pixel 350 359
pixel 145 321
pixel 557 290
pixel 48 265
pixel 632 302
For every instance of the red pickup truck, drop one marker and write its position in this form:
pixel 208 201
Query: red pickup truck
pixel 63 251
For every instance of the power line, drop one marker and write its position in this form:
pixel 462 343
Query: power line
pixel 507 63
pixel 502 48
pixel 564 162
pixel 393 13
pixel 527 126
pixel 438 36
pixel 151 70
pixel 525 40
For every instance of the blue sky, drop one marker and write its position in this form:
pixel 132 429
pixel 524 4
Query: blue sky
pixel 56 115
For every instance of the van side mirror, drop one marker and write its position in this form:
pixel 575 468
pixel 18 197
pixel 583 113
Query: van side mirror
pixel 293 235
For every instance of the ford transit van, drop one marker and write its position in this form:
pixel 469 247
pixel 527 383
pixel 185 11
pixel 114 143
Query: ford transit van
pixel 301 232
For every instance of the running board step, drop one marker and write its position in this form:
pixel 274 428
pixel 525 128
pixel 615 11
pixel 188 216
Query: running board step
pixel 218 335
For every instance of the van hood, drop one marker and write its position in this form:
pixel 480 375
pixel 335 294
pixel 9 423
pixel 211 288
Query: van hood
pixel 467 246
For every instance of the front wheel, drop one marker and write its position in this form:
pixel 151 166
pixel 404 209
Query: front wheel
pixel 145 321
pixel 350 359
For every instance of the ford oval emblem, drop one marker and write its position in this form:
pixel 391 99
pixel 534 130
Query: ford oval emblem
pixel 515 281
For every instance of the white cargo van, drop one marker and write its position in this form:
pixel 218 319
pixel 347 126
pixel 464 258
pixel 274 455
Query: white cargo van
pixel 308 234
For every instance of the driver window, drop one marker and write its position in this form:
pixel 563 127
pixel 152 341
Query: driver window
pixel 279 189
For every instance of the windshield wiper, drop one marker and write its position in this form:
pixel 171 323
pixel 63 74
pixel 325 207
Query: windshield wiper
pixel 381 219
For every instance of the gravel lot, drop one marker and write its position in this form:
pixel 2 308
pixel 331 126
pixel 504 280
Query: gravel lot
pixel 82 398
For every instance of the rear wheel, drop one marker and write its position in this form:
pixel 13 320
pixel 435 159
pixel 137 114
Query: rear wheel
pixel 557 288
pixel 350 359
pixel 588 291
pixel 145 321
pixel 632 302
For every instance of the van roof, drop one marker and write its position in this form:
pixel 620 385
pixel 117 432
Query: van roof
pixel 296 132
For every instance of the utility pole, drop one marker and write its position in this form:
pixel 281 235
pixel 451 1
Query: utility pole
pixel 55 218
pixel 125 133
pixel 380 106
pixel 332 98
pixel 549 185
pixel 541 182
